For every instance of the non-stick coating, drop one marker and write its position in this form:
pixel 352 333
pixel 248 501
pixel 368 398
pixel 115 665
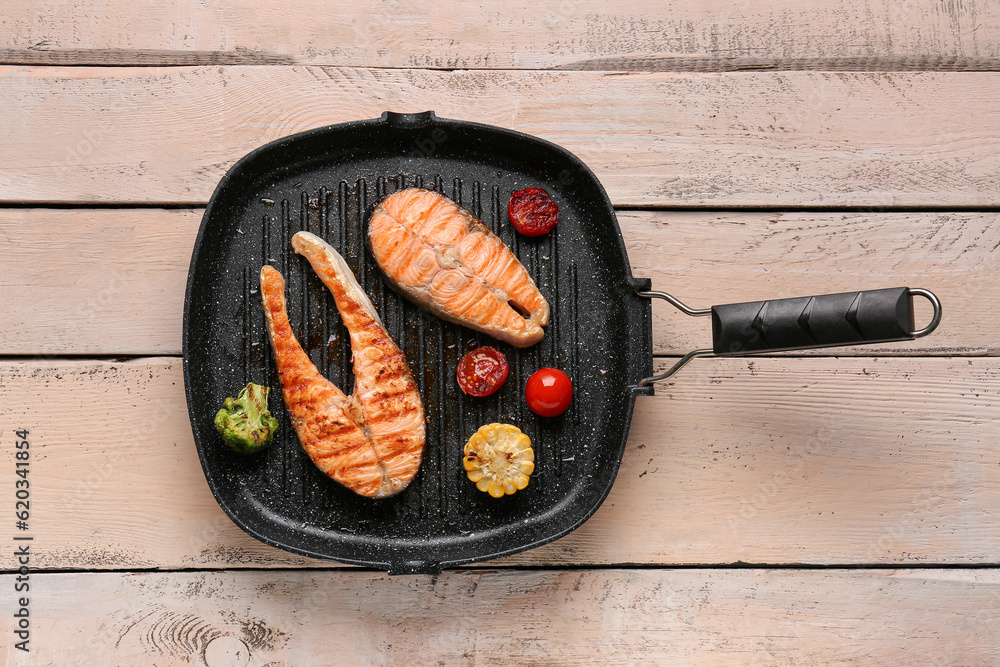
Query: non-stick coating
pixel 328 181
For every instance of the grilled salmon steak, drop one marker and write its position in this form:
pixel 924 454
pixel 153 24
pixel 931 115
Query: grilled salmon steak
pixel 447 261
pixel 373 440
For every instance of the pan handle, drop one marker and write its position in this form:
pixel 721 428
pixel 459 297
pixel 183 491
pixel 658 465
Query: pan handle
pixel 408 120
pixel 805 323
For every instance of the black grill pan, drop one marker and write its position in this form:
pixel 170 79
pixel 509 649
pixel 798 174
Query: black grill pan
pixel 328 181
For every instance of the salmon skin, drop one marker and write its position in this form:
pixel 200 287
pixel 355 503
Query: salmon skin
pixel 444 259
pixel 372 441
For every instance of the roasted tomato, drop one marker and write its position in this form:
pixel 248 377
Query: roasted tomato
pixel 532 211
pixel 549 392
pixel 482 371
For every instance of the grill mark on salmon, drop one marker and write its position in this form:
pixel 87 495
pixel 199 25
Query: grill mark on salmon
pixel 372 441
pixel 444 259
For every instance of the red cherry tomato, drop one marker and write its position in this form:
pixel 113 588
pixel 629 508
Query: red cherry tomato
pixel 482 371
pixel 532 211
pixel 548 392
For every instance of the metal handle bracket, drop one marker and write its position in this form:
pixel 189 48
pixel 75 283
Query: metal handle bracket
pixel 805 323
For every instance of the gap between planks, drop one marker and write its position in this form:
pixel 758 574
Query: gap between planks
pixel 501 566
pixel 139 58
pixel 84 205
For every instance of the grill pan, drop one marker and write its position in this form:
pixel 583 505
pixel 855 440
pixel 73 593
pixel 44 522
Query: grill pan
pixel 328 181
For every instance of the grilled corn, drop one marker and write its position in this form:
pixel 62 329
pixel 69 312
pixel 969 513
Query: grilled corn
pixel 499 459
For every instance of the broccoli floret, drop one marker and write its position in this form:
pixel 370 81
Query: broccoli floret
pixel 245 424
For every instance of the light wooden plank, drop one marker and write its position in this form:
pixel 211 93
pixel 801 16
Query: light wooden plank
pixel 774 460
pixel 95 281
pixel 770 139
pixel 109 282
pixel 707 259
pixel 647 617
pixel 583 34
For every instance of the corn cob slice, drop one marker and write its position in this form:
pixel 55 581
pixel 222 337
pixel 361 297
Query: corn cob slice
pixel 499 459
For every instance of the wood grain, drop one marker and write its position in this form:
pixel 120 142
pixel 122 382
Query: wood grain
pixel 771 139
pixel 95 281
pixel 737 473
pixel 706 259
pixel 574 34
pixel 483 617
pixel 111 282
pixel 861 460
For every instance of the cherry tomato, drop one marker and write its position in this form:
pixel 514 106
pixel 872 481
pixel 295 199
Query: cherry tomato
pixel 532 211
pixel 482 371
pixel 548 392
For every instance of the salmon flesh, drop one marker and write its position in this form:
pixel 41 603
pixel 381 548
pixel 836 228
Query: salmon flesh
pixel 444 259
pixel 372 441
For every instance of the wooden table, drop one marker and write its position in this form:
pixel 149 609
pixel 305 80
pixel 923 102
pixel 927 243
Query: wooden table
pixel 797 509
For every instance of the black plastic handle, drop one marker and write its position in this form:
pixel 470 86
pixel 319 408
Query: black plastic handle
pixel 850 318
